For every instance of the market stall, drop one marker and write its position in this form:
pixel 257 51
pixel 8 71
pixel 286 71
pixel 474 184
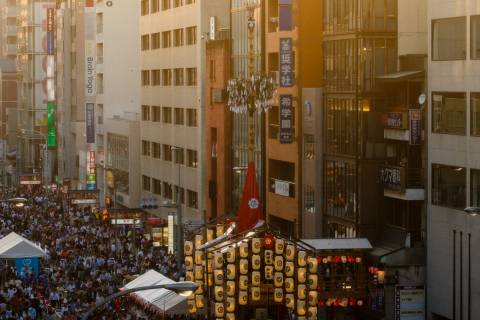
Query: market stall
pixel 24 253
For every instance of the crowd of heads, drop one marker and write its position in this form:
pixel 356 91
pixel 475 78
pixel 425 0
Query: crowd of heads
pixel 87 259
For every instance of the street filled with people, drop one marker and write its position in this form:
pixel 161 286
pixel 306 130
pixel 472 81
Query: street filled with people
pixel 87 260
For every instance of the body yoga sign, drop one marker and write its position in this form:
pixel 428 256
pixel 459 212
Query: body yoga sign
pixel 90 63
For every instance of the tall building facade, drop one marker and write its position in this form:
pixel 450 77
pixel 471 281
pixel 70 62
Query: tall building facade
pixel 8 29
pixel 453 159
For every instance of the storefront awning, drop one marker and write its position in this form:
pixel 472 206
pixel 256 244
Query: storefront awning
pixel 339 244
pixel 405 257
pixel 402 76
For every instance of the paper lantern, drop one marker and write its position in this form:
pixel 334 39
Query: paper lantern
pixel 278 263
pixel 188 248
pixel 199 257
pixel 219 310
pixel 189 276
pixel 200 287
pixel 243 249
pixel 278 295
pixel 218 277
pixel 230 288
pixel 218 260
pixel 243 266
pixel 289 285
pixel 199 301
pixel 268 257
pixel 242 297
pixel 290 252
pixel 256 278
pixel 268 241
pixel 256 262
pixel 358 260
pixel 231 255
pixel 210 279
pixel 192 308
pixel 230 316
pixel 312 265
pixel 256 245
pixel 243 282
pixel 189 263
pixel 209 234
pixel 255 293
pixel 301 275
pixel 268 272
pixel 218 293
pixel 312 297
pixel 302 258
pixel 198 240
pixel 312 312
pixel 199 272
pixel 312 281
pixel 220 230
pixel 279 246
pixel 230 304
pixel 289 300
pixel 302 291
pixel 231 272
pixel 278 279
pixel 301 308
pixel 289 269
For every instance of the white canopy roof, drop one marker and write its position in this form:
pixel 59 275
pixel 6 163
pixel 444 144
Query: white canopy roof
pixel 339 244
pixel 166 300
pixel 15 246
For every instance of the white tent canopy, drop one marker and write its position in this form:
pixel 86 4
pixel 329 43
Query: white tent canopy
pixel 15 246
pixel 166 300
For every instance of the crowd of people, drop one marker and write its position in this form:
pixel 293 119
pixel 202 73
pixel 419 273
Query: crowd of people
pixel 87 260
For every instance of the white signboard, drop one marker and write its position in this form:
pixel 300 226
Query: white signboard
pixel 127 221
pixel 282 188
pixel 84 201
pixel 409 303
pixel 171 227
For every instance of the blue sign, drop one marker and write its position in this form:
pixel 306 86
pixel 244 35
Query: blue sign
pixel 286 119
pixel 286 62
pixel 27 265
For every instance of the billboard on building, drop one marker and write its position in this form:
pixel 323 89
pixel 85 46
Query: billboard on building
pixel 286 62
pixel 90 51
pixel 90 122
pixel 286 119
pixel 52 131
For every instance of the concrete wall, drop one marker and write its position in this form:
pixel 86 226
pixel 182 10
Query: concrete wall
pixel 412 27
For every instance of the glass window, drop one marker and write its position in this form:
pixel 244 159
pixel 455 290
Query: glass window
pixel 156 150
pixel 192 158
pixel 192 199
pixel 309 199
pixel 145 42
pixel 145 113
pixel 167 152
pixel 475 187
pixel 449 113
pixel 475 37
pixel 155 77
pixel 145 78
pixel 156 186
pixel 449 39
pixel 309 142
pixel 167 190
pixel 179 155
pixel 449 186
pixel 179 191
pixel 144 5
pixel 145 147
pixel 156 114
pixel 167 115
pixel 155 40
pixel 179 116
pixel 340 188
pixel 475 114
pixel 191 76
pixel 155 6
pixel 165 4
pixel 191 34
pixel 178 37
pixel 146 183
pixel 191 117
pixel 178 76
pixel 166 77
pixel 166 39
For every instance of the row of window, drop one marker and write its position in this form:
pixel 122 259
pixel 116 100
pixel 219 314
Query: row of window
pixel 170 153
pixel 169 191
pixel 449 38
pixel 153 6
pixel 167 39
pixel 181 77
pixel 164 114
pixel 449 113
pixel 449 186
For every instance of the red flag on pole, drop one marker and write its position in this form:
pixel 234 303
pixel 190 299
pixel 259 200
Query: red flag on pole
pixel 250 208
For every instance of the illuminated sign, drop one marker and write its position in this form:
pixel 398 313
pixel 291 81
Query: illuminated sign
pixel 52 134
pixel 91 174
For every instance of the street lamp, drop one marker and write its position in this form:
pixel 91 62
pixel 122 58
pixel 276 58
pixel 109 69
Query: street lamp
pixel 472 212
pixel 183 288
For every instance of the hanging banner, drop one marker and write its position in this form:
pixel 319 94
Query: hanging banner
pixel 25 265
pixel 90 46
pixel 90 122
pixel 50 31
pixel 415 127
pixel 286 119
pixel 285 15
pixel 91 174
pixel 52 133
pixel 286 63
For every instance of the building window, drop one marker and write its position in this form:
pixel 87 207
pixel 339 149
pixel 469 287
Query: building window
pixel 99 23
pixel 191 76
pixel 309 199
pixel 145 42
pixel 449 186
pixel 340 191
pixel 475 37
pixel 155 77
pixel 145 78
pixel 475 114
pixel 178 37
pixel 192 199
pixel 475 187
pixel 166 39
pixel 146 183
pixel 144 7
pixel 155 7
pixel 179 155
pixel 211 71
pixel 189 1
pixel 309 143
pixel 191 35
pixel 167 115
pixel 177 3
pixel 449 39
pixel 191 117
pixel 167 152
pixel 100 83
pixel 182 194
pixel 145 113
pixel 100 113
pixel 167 191
pixel 145 148
pixel 156 150
pixel 178 76
pixel 166 77
pixel 156 186
pixel 165 4
pixel 449 113
pixel 156 114
pixel 155 40
pixel 192 158
pixel 179 116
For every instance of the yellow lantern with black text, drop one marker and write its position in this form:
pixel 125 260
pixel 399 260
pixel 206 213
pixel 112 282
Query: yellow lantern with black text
pixel 231 274
pixel 230 316
pixel 312 313
pixel 290 300
pixel 301 308
pixel 290 252
pixel 210 279
pixel 198 272
pixel 312 265
pixel 189 263
pixel 219 310
pixel 256 262
pixel 231 255
pixel 200 287
pixel 199 257
pixel 255 293
pixel 312 281
pixel 189 276
pixel 279 246
pixel 278 263
pixel 243 249
pixel 278 279
pixel 220 230
pixel 209 265
pixel 256 245
pixel 192 307
pixel 188 248
pixel 199 301
pixel 268 272
pixel 198 240
pixel 302 275
pixel 256 278
pixel 278 295
pixel 209 234
pixel 268 257
pixel 230 304
pixel 218 277
pixel 302 258
pixel 218 293
pixel 218 260
pixel 289 285
pixel 243 266
pixel 312 297
pixel 242 298
pixel 301 291
pixel 243 282
pixel 230 288
pixel 289 269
